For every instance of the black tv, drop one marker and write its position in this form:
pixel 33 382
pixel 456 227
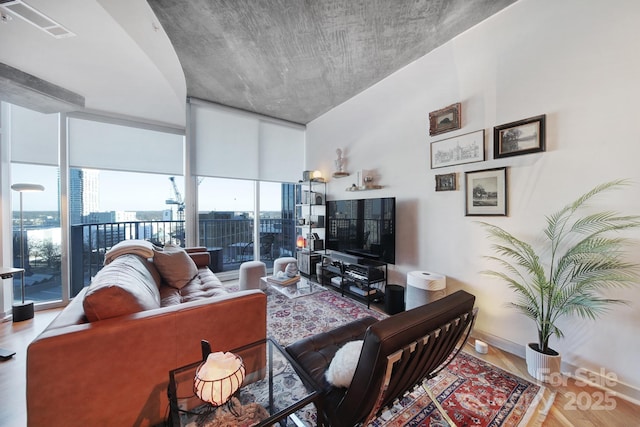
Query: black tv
pixel 364 228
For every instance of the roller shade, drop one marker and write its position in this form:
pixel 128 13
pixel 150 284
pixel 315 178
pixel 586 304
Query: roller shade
pixel 226 143
pixel 281 152
pixel 34 136
pixel 100 145
pixel 231 143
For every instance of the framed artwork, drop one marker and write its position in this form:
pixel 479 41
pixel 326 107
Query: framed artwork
pixel 445 119
pixel 486 192
pixel 521 137
pixel 446 182
pixel 457 150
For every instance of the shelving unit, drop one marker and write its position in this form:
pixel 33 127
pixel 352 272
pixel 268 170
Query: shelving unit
pixel 310 223
pixel 364 280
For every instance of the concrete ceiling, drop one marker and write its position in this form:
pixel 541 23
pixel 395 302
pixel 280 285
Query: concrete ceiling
pixel 294 59
pixel 290 59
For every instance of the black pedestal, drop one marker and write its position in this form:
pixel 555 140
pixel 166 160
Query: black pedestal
pixel 393 299
pixel 22 311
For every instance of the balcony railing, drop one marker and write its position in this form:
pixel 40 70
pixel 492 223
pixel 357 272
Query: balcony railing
pixel 229 241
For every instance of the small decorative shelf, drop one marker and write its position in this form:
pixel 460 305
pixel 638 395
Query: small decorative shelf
pixel 340 174
pixel 364 188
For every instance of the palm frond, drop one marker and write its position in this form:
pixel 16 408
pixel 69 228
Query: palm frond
pixel 584 260
pixel 602 222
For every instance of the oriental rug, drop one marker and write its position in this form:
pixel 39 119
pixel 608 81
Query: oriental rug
pixel 472 391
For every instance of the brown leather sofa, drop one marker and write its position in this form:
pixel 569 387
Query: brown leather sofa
pixel 114 369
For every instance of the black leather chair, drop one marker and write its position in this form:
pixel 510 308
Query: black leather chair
pixel 398 353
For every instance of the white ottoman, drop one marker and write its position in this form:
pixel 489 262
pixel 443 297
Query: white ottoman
pixel 250 274
pixel 281 263
pixel 424 287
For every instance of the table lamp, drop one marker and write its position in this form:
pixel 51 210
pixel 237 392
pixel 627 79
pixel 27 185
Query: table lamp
pixel 24 309
pixel 218 378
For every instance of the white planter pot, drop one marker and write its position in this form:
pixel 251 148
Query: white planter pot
pixel 542 367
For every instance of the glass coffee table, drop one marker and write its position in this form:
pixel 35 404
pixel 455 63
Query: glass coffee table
pixel 270 382
pixel 302 287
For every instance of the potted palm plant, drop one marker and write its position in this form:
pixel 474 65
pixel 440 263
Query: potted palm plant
pixel 581 259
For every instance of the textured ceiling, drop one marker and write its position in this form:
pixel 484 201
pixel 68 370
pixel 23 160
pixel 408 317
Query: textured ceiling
pixel 294 59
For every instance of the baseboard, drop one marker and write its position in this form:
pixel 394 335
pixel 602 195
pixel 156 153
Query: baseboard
pixel 595 379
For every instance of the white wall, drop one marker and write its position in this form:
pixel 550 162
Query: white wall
pixel 575 61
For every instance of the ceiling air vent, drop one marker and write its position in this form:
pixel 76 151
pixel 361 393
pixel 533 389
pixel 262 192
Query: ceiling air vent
pixel 39 20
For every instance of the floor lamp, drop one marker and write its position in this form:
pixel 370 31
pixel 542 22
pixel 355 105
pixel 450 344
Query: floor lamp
pixel 24 310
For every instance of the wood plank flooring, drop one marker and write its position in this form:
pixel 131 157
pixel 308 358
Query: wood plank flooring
pixel 564 412
pixel 16 337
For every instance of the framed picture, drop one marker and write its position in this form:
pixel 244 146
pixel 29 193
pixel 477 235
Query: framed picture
pixel 486 192
pixel 457 150
pixel 446 182
pixel 444 120
pixel 521 137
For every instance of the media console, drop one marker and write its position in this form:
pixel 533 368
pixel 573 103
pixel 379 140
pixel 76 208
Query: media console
pixel 356 277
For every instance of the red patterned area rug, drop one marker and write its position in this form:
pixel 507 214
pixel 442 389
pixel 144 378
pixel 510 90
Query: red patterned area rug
pixel 292 319
pixel 472 391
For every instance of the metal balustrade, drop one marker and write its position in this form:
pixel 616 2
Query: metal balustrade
pixel 229 241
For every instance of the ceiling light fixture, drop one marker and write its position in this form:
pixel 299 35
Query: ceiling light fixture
pixel 34 17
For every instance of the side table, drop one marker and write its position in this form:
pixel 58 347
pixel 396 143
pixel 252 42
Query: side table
pixel 7 273
pixel 276 386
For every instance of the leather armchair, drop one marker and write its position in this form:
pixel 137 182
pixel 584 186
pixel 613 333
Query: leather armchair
pixel 398 353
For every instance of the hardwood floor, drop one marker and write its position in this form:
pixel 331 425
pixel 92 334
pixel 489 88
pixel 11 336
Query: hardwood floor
pixel 564 412
pixel 16 337
pixel 579 406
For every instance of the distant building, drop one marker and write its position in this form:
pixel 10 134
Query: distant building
pixel 83 194
pixel 110 216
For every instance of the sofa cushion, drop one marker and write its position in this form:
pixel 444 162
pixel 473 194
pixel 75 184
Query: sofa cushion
pixel 205 285
pixel 175 266
pixel 125 286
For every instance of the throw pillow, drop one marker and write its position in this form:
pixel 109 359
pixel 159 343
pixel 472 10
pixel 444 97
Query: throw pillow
pixel 125 286
pixel 175 265
pixel 344 363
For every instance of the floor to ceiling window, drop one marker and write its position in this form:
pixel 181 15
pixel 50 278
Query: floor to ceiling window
pixel 107 207
pixel 276 226
pixel 125 182
pixel 121 179
pixel 226 217
pixel 254 154
pixel 234 231
pixel 33 138
pixel 41 236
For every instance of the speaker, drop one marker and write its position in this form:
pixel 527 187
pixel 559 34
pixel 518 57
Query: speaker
pixel 393 299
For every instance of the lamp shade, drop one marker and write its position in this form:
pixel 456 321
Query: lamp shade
pixel 218 377
pixel 23 187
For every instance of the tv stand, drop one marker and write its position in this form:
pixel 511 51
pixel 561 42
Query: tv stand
pixel 363 280
pixel 345 257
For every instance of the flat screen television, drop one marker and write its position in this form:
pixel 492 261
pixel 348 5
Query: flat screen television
pixel 363 227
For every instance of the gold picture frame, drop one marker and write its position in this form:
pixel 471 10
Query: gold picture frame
pixel 445 119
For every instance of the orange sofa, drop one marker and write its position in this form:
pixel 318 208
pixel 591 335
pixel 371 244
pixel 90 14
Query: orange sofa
pixel 114 369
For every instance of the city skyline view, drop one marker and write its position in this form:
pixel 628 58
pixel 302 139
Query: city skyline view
pixel 131 191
